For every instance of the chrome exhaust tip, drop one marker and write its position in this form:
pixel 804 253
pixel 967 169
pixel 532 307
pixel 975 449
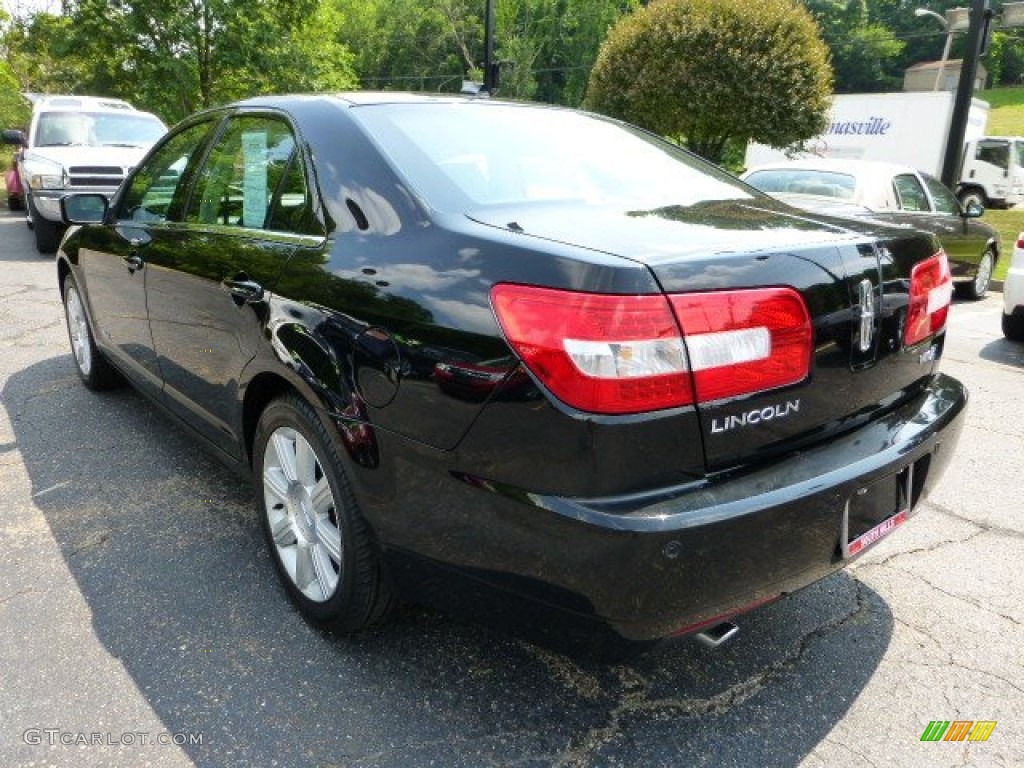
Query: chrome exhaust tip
pixel 715 636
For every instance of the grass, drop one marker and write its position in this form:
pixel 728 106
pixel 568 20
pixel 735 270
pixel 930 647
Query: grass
pixel 1006 116
pixel 1009 223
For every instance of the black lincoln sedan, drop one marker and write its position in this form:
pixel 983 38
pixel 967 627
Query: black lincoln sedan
pixel 524 354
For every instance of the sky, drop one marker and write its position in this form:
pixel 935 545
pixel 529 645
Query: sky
pixel 23 7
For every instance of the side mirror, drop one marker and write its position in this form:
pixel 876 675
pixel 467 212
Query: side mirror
pixel 83 208
pixel 973 211
pixel 12 136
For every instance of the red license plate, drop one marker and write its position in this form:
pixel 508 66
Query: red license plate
pixel 878 532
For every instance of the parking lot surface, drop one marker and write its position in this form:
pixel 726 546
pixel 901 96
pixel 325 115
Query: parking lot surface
pixel 141 622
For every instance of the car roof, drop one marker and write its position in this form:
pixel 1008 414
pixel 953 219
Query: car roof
pixel 47 102
pixel 356 98
pixel 837 165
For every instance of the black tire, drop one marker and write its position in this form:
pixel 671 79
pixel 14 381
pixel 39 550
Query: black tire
pixel 94 370
pixel 1013 326
pixel 977 288
pixel 298 532
pixel 970 195
pixel 48 233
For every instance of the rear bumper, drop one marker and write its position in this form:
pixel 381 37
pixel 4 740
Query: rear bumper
pixel 1013 289
pixel 661 563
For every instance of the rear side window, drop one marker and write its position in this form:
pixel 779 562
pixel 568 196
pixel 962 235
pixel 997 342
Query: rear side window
pixel 910 193
pixel 160 182
pixel 243 171
pixel 942 197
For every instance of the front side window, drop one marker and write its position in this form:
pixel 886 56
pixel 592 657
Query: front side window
pixel 944 200
pixel 160 182
pixel 995 152
pixel 243 172
pixel 910 193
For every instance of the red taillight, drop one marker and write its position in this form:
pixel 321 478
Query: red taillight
pixel 625 354
pixel 931 290
pixel 745 341
pixel 595 352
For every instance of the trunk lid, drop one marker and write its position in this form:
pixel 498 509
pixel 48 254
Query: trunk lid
pixel 854 278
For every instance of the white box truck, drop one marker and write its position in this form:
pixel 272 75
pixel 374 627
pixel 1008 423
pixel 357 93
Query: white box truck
pixel 911 129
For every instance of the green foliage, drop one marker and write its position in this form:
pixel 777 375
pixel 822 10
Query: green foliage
pixel 546 47
pixel 176 56
pixel 14 108
pixel 716 71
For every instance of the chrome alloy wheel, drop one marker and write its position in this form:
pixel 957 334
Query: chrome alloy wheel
pixel 78 329
pixel 984 274
pixel 301 513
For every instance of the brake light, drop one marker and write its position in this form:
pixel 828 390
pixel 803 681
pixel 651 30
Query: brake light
pixel 597 352
pixel 745 341
pixel 931 291
pixel 625 354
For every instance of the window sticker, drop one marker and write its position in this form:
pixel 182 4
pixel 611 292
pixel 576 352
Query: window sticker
pixel 254 179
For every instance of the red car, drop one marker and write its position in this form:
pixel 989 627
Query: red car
pixel 15 192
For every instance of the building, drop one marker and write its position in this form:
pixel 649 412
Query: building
pixel 921 77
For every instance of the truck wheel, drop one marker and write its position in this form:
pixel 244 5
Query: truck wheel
pixel 972 195
pixel 48 233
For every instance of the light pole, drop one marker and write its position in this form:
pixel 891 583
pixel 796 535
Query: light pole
pixel 949 41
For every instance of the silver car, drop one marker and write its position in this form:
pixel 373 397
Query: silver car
pixel 894 194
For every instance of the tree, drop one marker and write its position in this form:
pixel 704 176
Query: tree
pixel 866 55
pixel 176 56
pixel 711 72
pixel 546 47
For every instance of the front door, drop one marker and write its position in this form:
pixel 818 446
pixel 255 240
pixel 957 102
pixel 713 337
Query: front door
pixel 114 259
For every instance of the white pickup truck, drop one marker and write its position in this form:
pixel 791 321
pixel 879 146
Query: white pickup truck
pixel 77 144
pixel 911 129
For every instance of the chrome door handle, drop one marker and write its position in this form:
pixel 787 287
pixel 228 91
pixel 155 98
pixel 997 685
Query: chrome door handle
pixel 246 290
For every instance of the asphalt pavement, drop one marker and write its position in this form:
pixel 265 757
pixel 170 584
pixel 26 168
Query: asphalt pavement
pixel 141 622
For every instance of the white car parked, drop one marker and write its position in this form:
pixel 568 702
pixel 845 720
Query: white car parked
pixel 1013 294
pixel 77 144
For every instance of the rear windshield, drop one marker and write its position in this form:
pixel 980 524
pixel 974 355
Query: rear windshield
pixel 486 154
pixel 801 181
pixel 97 129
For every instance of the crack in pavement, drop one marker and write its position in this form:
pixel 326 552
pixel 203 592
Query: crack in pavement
pixel 930 548
pixel 857 752
pixel 634 700
pixel 20 593
pixel 569 674
pixel 980 606
pixel 952 661
pixel 983 524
